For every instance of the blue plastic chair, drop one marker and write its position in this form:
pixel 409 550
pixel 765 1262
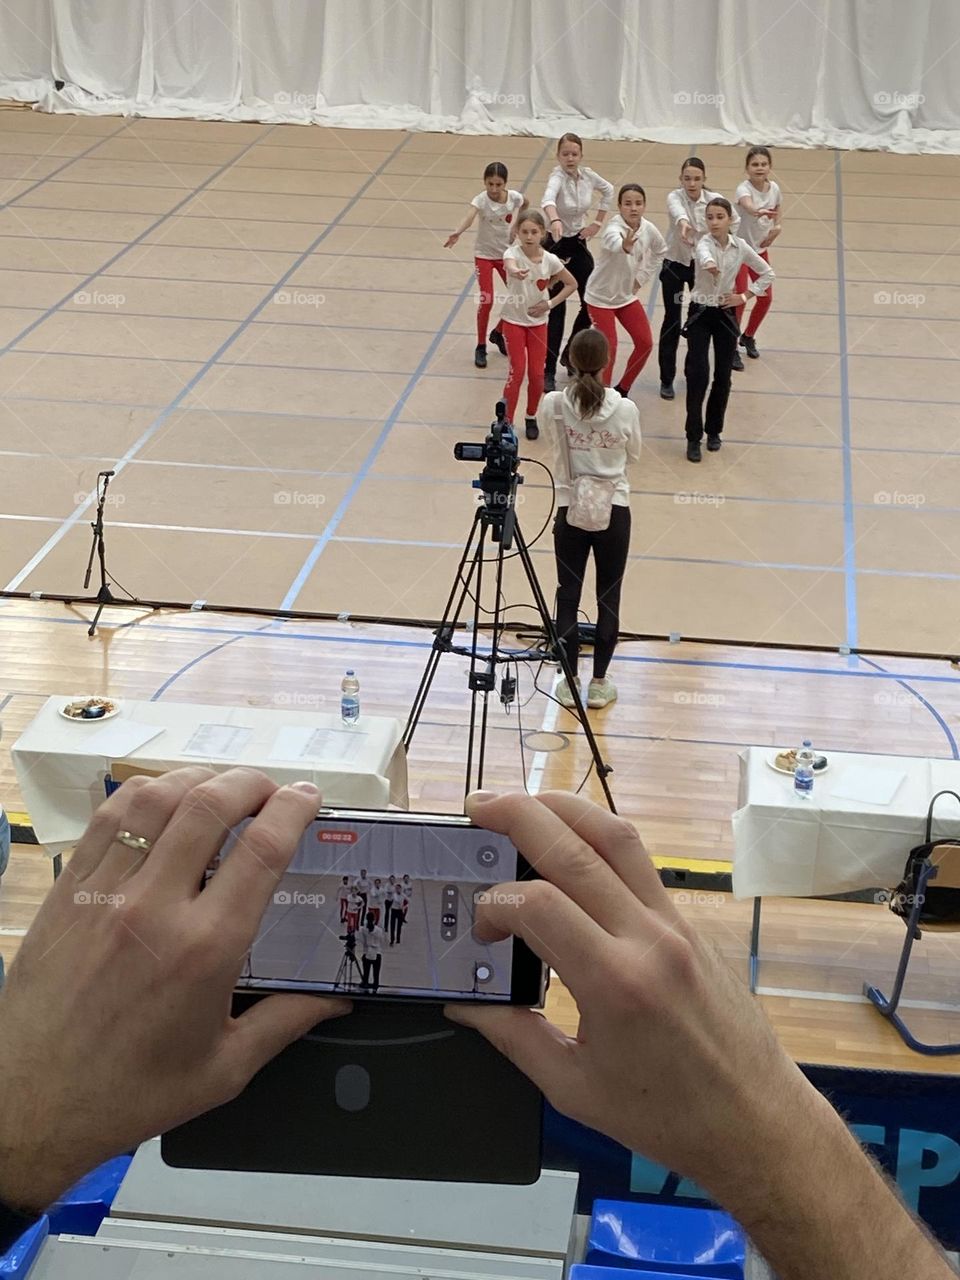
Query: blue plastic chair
pixel 22 1254
pixel 80 1210
pixel 665 1238
pixel 581 1271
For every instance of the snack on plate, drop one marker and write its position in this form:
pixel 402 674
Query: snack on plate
pixel 788 760
pixel 89 708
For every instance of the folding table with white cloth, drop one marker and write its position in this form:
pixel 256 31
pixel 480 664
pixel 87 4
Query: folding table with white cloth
pixel 62 764
pixel 854 832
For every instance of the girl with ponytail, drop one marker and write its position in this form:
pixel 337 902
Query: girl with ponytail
pixel 594 432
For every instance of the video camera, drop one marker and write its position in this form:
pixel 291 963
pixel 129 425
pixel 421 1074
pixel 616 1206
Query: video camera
pixel 349 939
pixel 500 476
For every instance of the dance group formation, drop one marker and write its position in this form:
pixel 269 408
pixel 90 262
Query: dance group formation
pixel 715 249
pixel 370 899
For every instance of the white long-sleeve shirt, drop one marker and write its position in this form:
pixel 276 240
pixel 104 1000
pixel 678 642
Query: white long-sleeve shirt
pixel 573 197
pixel 598 446
pixel 679 205
pixel 617 277
pixel 709 289
pixel 756 226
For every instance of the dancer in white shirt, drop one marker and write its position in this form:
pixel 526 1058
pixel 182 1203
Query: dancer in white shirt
pixel 718 259
pixel 531 273
pixel 595 432
pixel 686 209
pixel 629 253
pixel 569 195
pixel 497 208
pixel 759 200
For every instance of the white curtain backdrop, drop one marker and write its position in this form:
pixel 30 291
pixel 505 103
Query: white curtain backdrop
pixel 846 73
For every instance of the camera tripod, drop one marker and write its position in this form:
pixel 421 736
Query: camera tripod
pixel 495 521
pixel 347 968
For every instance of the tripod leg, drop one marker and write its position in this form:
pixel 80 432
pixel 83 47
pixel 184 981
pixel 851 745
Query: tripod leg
pixel 448 624
pixel 550 628
pixel 96 618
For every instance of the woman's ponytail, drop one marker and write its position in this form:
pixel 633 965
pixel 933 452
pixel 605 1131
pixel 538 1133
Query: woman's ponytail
pixel 589 353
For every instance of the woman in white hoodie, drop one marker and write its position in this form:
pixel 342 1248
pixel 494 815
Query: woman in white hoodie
pixel 595 432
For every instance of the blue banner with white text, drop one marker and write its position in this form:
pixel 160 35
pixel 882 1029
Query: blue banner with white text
pixel 910 1123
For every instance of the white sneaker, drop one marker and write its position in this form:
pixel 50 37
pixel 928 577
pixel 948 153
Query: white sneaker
pixel 601 692
pixel 564 696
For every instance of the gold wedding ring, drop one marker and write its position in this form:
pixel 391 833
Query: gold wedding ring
pixel 140 843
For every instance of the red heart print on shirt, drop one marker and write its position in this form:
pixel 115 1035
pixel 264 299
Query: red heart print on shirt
pixel 543 284
pixel 508 218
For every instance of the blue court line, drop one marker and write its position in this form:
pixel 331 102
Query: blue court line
pixel 307 567
pixel 188 387
pixel 849 531
pixel 284 633
pixel 929 706
pixel 154 697
pixel 88 279
pixel 5 204
pixel 323 540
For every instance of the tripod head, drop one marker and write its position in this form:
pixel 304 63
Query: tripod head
pixel 500 476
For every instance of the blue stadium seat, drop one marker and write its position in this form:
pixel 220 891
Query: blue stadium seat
pixel 581 1271
pixel 665 1238
pixel 80 1210
pixel 20 1257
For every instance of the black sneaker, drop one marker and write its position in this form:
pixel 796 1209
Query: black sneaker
pixel 737 362
pixel 750 347
pixel 666 390
pixel 498 340
pixel 549 382
pixel 713 443
pixel 693 451
pixel 480 356
pixel 533 431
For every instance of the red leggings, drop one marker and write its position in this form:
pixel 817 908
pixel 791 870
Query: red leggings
pixel 527 349
pixel 634 320
pixel 760 307
pixel 485 269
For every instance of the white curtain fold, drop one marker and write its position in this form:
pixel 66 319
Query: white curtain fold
pixel 846 73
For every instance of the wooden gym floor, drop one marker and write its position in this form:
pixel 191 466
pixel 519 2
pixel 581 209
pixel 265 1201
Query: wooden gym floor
pixel 673 739
pixel 258 328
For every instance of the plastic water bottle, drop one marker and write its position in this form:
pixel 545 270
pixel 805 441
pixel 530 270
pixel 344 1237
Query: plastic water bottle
pixel 350 698
pixel 803 773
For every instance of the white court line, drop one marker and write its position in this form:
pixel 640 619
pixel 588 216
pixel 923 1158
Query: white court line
pixel 548 725
pixel 839 997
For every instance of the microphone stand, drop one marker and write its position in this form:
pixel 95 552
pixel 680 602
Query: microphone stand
pixel 104 596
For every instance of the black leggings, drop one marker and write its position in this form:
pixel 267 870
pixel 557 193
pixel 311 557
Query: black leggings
pixel 580 265
pixel 572 547
pixel 673 277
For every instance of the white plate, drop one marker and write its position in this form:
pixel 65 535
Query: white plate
pixel 772 762
pixel 108 715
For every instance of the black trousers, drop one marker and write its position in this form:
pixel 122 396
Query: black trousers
pixel 396 923
pixel 371 963
pixel 673 277
pixel 579 262
pixel 572 547
pixel 706 324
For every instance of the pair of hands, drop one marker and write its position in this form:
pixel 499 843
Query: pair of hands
pixel 116 1019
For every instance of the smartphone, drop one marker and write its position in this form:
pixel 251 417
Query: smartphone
pixel 381 905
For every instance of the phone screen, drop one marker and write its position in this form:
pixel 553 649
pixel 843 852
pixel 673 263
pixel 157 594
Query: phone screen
pixel 383 905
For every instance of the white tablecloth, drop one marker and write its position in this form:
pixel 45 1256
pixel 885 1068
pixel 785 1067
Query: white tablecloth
pixel 62 779
pixel 790 847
